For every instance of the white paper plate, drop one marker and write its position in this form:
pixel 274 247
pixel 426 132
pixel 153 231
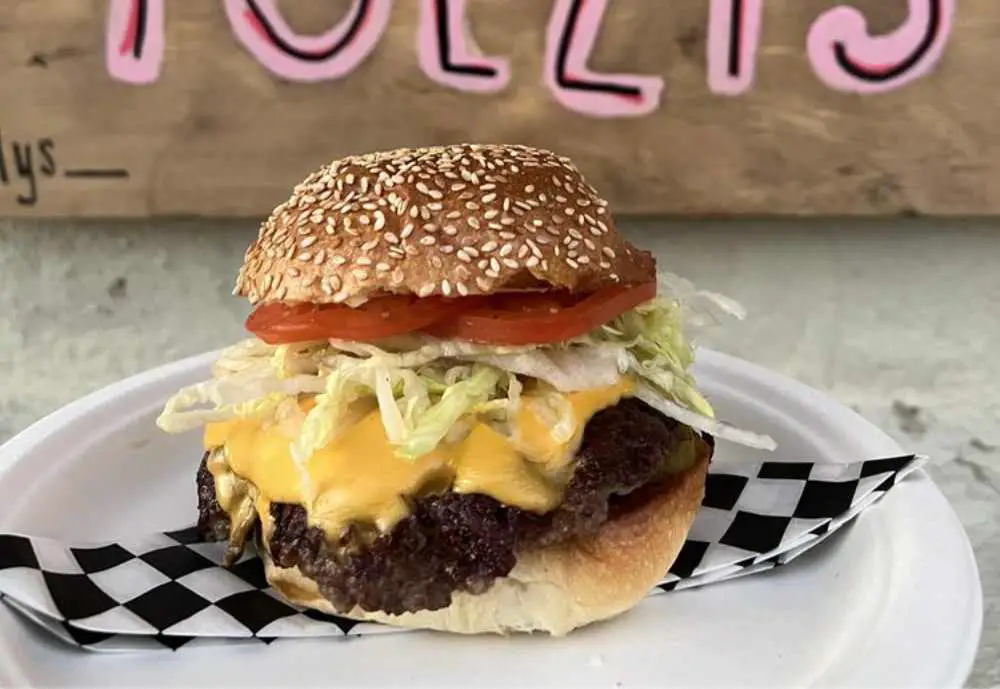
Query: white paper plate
pixel 893 601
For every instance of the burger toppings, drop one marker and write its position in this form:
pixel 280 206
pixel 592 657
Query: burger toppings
pixel 424 386
pixel 531 318
pixel 455 541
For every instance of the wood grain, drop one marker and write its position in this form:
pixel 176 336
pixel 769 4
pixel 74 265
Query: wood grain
pixel 218 135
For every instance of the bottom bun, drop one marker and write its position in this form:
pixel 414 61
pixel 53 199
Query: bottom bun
pixel 557 588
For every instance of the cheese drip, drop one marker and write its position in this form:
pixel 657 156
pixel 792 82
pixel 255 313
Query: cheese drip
pixel 359 478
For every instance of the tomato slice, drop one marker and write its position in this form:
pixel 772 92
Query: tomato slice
pixel 541 318
pixel 375 319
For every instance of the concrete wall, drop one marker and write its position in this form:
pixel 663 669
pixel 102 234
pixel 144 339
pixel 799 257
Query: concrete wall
pixel 899 322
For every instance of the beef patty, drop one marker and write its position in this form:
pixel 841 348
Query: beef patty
pixel 464 542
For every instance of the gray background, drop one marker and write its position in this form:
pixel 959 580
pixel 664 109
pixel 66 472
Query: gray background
pixel 897 320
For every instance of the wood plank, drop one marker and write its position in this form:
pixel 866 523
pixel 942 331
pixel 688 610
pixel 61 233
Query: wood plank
pixel 220 133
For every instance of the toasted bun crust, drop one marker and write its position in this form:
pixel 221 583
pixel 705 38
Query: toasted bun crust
pixel 559 588
pixel 451 221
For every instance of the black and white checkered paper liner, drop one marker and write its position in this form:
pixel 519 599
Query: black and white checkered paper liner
pixel 167 590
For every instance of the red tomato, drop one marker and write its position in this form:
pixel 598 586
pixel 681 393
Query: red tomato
pixel 541 318
pixel 375 319
pixel 501 319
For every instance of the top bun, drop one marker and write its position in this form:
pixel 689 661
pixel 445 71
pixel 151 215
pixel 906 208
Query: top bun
pixel 450 220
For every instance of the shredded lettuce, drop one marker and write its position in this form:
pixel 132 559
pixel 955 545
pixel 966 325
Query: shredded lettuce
pixel 460 397
pixel 426 390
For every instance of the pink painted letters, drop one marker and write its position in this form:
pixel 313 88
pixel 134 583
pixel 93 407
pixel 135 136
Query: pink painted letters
pixel 572 32
pixel 260 27
pixel 450 57
pixel 842 52
pixel 847 58
pixel 733 39
pixel 133 50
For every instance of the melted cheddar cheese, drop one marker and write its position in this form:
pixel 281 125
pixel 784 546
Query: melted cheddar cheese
pixel 359 478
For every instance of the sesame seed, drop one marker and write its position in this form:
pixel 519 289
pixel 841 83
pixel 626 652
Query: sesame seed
pixel 483 283
pixel 511 263
pixel 445 288
pixel 451 230
pixel 452 215
pixel 488 247
pixel 369 245
pixel 572 263
pixel 463 256
pixel 506 249
pixel 462 289
pixel 447 248
pixel 363 261
pixel 425 290
pixel 307 242
pixel 523 251
pixel 494 265
pixel 608 251
pixel 379 220
pixel 493 273
pixel 406 231
pixel 427 240
pixel 338 260
pixel 489 197
pixel 391 238
pixel 304 256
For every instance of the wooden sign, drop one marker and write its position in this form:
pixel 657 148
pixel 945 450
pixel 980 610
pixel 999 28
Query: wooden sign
pixel 692 107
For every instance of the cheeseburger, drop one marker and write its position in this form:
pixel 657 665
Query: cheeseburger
pixel 466 404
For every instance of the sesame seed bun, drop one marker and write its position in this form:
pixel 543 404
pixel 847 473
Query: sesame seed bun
pixel 451 221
